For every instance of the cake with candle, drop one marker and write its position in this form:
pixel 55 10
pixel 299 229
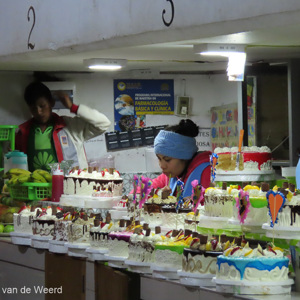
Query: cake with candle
pixel 256 159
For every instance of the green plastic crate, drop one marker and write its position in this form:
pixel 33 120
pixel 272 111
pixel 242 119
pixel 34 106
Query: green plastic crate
pixel 7 133
pixel 30 191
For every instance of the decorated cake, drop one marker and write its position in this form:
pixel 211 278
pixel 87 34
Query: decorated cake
pixel 245 264
pixel 119 239
pixel 99 232
pixel 43 222
pixel 168 253
pixel 201 257
pixel 251 159
pixel 24 218
pixel 142 244
pixel 284 211
pixel 79 229
pixel 251 205
pixel 61 225
pixel 174 215
pixel 92 182
pixel 153 212
pixel 219 201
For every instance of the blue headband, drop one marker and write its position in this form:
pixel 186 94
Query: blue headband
pixel 175 145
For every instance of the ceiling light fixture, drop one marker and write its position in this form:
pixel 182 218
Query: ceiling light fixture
pixel 219 49
pixel 236 57
pixel 104 63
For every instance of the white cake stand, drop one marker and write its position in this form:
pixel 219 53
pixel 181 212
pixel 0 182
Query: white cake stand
pixel 253 288
pixel 96 254
pixel 282 232
pixel 139 267
pixel 116 261
pixel 77 250
pixel 164 272
pixel 247 226
pixel 58 246
pixel 19 238
pixel 217 223
pixel 195 279
pixel 237 176
pixel 40 242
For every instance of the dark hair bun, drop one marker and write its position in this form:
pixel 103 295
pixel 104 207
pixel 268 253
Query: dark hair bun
pixel 188 128
pixel 185 127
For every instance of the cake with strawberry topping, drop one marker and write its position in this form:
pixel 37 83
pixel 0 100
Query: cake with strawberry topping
pixel 43 222
pixel 24 218
pixel 93 182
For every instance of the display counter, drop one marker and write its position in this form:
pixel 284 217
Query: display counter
pixel 29 273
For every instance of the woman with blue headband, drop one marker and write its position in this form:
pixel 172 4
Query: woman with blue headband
pixel 179 159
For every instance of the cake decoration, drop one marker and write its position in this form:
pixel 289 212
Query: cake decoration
pixel 213 159
pixel 135 185
pixel 276 202
pixel 146 184
pixel 198 194
pixel 242 203
pixel 180 189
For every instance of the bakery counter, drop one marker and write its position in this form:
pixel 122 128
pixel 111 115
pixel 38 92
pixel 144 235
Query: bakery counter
pixel 22 270
pixel 160 289
pixel 29 273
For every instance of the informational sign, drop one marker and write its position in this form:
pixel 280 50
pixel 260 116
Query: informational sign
pixel 133 99
pixel 117 140
pixel 203 139
pixel 224 126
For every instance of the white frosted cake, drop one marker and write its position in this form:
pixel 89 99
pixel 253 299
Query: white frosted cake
pixel 253 209
pixel 24 218
pixel 79 229
pixel 219 202
pixel 253 265
pixel 91 182
pixel 43 222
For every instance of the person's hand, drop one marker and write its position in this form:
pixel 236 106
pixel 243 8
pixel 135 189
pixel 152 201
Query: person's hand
pixel 64 99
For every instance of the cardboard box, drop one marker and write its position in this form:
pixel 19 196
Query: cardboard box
pixel 116 284
pixel 66 275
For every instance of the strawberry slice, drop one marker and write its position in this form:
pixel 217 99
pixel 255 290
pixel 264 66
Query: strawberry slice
pixel 169 233
pixel 214 244
pixel 271 250
pixel 79 171
pixel 194 241
pixel 22 208
pixel 234 250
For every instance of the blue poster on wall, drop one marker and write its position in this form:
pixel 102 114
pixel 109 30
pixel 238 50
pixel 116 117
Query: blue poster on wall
pixel 133 99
